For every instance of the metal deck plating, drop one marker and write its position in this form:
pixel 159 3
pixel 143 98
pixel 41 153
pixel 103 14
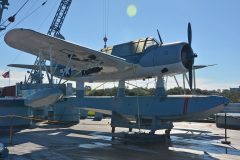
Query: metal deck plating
pixel 91 140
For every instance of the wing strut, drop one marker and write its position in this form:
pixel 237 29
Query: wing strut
pixel 64 72
pixel 54 30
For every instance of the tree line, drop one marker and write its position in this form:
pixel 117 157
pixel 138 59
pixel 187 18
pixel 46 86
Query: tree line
pixel 233 96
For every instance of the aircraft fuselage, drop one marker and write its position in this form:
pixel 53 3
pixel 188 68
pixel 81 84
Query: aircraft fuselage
pixel 155 60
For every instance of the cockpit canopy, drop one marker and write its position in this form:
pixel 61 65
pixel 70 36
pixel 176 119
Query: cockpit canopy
pixel 131 48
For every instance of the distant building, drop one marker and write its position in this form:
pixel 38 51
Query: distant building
pixel 8 91
pixel 225 90
pixel 235 90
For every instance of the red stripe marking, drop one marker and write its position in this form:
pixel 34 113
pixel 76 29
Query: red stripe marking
pixel 185 107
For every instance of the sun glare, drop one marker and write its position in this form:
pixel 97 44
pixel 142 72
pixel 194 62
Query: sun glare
pixel 131 10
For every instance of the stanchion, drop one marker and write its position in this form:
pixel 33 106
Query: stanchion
pixel 225 126
pixel 11 131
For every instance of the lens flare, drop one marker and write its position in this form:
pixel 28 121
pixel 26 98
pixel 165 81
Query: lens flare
pixel 131 10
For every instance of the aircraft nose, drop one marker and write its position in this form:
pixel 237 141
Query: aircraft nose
pixel 187 56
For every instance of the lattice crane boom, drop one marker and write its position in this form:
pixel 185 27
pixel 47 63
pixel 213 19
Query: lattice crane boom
pixel 3 5
pixel 54 30
pixel 56 25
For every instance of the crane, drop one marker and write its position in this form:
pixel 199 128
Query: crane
pixel 54 30
pixel 3 5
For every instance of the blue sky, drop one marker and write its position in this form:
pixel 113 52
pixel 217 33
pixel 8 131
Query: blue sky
pixel 215 25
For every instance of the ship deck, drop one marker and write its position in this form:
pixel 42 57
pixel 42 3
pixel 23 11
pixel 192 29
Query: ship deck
pixel 92 140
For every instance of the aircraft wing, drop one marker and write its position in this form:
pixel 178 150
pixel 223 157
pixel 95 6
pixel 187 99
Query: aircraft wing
pixel 64 52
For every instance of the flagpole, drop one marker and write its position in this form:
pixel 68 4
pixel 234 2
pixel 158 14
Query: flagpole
pixel 7 75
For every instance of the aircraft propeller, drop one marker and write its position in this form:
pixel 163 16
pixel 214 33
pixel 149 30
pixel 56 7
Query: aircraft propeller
pixel 189 34
pixel 191 56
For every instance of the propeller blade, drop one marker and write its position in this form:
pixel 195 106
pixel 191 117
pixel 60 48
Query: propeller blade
pixel 189 34
pixel 159 36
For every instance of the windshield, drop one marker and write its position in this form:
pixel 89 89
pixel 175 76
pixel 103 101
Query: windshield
pixel 142 44
pixel 129 48
pixel 150 42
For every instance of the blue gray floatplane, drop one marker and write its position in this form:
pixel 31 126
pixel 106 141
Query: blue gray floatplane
pixel 144 58
pixel 152 112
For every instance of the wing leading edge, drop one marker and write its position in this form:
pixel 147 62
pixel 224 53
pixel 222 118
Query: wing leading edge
pixel 64 52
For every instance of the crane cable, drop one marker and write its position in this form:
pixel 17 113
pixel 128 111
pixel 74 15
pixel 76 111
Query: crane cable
pixel 31 13
pixel 47 15
pixel 19 23
pixel 12 18
pixel 21 20
pixel 105 21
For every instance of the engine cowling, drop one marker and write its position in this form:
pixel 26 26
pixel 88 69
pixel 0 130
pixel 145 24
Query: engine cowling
pixel 176 54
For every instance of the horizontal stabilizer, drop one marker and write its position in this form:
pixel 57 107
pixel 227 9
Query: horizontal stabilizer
pixel 196 67
pixel 34 67
pixel 202 66
pixel 26 66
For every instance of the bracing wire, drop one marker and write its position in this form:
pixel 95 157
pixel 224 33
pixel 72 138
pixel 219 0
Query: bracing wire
pixel 97 87
pixel 142 87
pixel 49 13
pixel 15 13
pixel 21 20
pixel 21 7
pixel 105 20
pixel 105 17
pixel 33 5
pixel 138 105
pixel 19 23
pixel 30 14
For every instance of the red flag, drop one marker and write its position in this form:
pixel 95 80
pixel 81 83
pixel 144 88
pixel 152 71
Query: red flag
pixel 6 74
